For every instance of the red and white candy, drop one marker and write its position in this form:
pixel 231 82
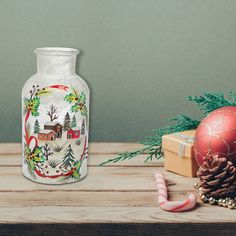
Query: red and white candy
pixel 174 206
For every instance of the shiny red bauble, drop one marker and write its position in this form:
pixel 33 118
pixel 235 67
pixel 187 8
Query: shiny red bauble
pixel 216 134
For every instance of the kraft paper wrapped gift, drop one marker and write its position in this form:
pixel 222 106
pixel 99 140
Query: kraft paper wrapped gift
pixel 178 153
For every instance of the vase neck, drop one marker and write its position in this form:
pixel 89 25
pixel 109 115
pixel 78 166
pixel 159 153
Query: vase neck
pixel 52 60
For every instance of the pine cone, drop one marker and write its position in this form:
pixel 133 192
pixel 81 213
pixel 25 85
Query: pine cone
pixel 217 177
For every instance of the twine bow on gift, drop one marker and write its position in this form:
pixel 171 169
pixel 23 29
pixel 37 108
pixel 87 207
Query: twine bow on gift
pixel 187 139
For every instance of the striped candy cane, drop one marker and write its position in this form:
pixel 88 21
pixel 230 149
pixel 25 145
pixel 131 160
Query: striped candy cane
pixel 174 206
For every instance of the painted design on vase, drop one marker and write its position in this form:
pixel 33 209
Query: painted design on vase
pixel 59 130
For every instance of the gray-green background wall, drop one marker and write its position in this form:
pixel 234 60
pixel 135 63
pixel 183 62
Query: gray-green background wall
pixel 141 58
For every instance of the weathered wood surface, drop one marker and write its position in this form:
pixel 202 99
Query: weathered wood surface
pixel 117 199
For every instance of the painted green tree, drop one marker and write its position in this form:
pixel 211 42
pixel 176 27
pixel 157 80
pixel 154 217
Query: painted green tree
pixel 83 127
pixel 36 127
pixel 73 122
pixel 67 122
pixel 69 159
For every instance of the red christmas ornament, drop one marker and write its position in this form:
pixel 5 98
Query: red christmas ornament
pixel 216 134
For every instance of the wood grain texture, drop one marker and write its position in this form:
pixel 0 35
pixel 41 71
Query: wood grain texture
pixel 99 179
pixel 75 215
pixel 84 198
pixel 118 199
pixel 94 160
pixel 15 148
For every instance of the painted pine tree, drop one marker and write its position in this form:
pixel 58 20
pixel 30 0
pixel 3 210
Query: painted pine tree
pixel 73 122
pixel 83 127
pixel 67 123
pixel 69 159
pixel 36 127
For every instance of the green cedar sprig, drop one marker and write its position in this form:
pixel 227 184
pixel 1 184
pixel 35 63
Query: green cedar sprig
pixel 207 102
pixel 211 101
pixel 153 144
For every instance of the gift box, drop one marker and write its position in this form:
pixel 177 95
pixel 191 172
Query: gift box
pixel 178 153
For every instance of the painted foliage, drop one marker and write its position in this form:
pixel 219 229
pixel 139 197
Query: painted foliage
pixel 51 144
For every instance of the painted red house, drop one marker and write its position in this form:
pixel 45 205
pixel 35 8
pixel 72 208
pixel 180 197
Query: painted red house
pixel 48 135
pixel 55 126
pixel 71 134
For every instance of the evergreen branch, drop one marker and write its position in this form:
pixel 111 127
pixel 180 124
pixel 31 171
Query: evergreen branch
pixel 154 143
pixel 207 102
pixel 211 101
pixel 126 155
pixel 181 123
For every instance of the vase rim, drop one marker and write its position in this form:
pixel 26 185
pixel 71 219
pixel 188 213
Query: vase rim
pixel 57 51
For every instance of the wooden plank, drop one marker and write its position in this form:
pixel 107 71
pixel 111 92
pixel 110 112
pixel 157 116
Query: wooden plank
pixel 112 148
pixel 99 199
pixel 94 160
pixel 116 197
pixel 80 198
pixel 10 160
pixel 78 215
pixel 99 179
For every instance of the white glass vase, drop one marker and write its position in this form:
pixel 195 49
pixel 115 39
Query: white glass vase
pixel 55 115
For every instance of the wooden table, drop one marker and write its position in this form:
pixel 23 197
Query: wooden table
pixel 118 199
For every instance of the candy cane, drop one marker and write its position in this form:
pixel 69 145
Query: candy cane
pixel 174 206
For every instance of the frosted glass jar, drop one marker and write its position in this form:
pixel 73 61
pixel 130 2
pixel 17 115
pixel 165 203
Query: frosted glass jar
pixel 55 119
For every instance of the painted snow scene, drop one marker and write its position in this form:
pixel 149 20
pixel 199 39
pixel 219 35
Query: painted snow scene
pixel 55 134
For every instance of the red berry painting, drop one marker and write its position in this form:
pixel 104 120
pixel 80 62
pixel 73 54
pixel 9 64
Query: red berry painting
pixel 54 134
